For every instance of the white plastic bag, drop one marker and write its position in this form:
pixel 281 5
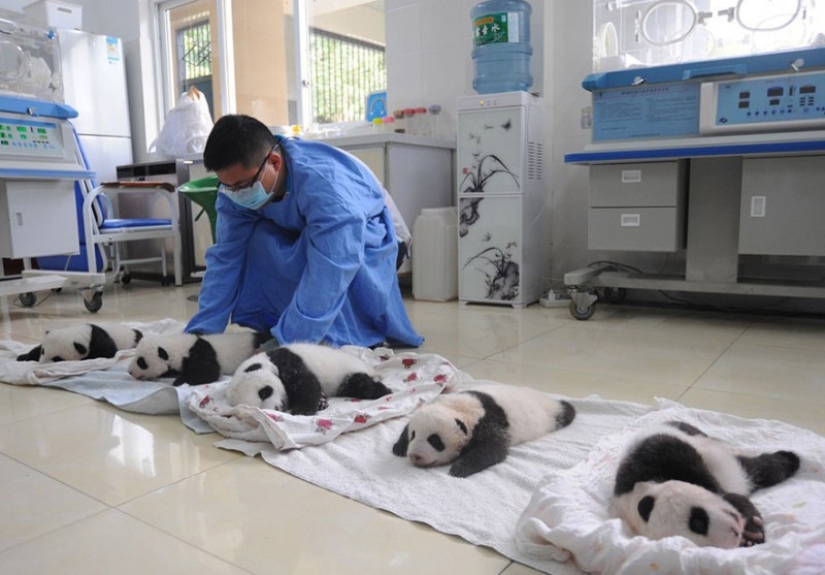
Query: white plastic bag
pixel 186 128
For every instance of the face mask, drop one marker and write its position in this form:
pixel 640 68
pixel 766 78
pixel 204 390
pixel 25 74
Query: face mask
pixel 252 197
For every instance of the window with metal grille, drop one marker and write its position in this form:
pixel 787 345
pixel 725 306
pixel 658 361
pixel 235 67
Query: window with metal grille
pixel 344 72
pixel 194 55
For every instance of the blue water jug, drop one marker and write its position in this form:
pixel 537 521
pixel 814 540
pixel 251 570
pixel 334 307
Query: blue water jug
pixel 501 46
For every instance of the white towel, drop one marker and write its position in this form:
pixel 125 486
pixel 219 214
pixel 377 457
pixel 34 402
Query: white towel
pixel 569 516
pixel 35 373
pixel 483 508
pixel 105 378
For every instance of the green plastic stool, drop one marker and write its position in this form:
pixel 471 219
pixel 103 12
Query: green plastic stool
pixel 203 192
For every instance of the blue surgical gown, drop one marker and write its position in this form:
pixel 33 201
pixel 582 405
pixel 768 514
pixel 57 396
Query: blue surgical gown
pixel 317 266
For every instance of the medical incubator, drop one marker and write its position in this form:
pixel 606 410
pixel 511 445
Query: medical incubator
pixel 39 162
pixel 636 33
pixel 711 160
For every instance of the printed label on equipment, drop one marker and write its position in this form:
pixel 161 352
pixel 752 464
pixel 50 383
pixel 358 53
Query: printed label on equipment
pixel 631 176
pixel 643 112
pixel 631 220
pixel 758 206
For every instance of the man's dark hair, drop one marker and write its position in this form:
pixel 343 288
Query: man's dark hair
pixel 234 139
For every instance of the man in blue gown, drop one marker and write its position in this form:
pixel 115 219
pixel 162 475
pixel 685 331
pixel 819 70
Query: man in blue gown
pixel 305 246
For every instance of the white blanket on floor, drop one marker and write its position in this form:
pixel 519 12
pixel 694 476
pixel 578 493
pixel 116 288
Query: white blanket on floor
pixel 415 379
pixel 484 508
pixel 569 517
pixel 35 373
pixel 105 378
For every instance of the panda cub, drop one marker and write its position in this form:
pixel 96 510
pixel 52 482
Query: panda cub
pixel 675 480
pixel 299 377
pixel 194 359
pixel 476 428
pixel 83 341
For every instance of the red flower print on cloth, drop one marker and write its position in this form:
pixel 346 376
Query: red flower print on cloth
pixel 412 377
pixel 440 378
pixel 275 417
pixel 323 425
pixel 205 401
pixel 409 362
pixel 361 418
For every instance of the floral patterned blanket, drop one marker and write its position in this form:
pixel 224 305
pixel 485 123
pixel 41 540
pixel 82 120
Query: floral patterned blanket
pixel 414 378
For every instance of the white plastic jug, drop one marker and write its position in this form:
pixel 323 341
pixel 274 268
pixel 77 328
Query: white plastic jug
pixel 435 255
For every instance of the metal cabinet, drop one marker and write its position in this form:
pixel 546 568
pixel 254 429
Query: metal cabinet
pixel 782 206
pixel 637 207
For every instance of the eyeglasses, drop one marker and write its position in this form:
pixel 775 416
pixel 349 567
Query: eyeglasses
pixel 234 189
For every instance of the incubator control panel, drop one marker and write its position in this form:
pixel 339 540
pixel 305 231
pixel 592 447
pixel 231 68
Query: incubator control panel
pixel 30 139
pixel 781 102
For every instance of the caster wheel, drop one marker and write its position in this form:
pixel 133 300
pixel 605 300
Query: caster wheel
pixel 95 304
pixel 582 314
pixel 126 279
pixel 615 295
pixel 28 299
pixel 165 281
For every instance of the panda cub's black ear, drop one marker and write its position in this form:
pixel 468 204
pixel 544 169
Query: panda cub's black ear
pixel 162 354
pixel 645 507
pixel 81 349
pixel 460 424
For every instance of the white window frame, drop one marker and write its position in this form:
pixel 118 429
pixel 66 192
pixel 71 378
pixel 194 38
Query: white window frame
pixel 167 84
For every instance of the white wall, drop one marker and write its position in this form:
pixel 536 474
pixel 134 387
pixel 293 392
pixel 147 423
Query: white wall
pixel 571 51
pixel 429 44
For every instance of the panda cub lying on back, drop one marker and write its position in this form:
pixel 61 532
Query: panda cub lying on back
pixel 194 359
pixel 476 428
pixel 299 377
pixel 675 480
pixel 83 341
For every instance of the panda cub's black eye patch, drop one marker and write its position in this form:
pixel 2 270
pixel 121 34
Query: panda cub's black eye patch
pixel 265 392
pixel 57 358
pixel 141 362
pixel 645 507
pixel 699 520
pixel 435 441
pixel 253 367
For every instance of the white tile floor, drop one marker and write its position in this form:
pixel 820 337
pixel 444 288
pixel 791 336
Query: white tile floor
pixel 86 488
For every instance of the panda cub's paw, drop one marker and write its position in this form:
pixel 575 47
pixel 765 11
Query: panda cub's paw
pixel 323 402
pixel 754 530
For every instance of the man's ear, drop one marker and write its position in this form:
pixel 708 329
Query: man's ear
pixel 276 159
